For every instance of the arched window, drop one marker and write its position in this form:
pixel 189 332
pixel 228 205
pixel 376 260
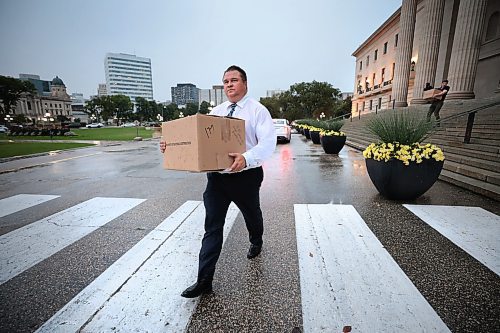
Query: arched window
pixel 493 25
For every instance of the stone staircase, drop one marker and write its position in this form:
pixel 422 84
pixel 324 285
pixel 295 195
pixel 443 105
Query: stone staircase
pixel 475 165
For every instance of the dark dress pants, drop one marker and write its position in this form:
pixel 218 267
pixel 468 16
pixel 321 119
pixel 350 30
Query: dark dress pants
pixel 242 188
pixel 435 108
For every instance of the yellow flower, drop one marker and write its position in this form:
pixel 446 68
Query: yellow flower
pixel 405 153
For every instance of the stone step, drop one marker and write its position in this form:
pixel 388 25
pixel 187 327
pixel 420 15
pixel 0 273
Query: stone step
pixel 477 132
pixel 473 172
pixel 362 136
pixel 481 163
pixel 470 146
pixel 473 140
pixel 355 145
pixel 359 143
pixel 466 152
pixel 487 189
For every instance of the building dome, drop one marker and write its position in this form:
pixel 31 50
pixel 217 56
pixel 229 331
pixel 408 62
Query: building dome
pixel 57 81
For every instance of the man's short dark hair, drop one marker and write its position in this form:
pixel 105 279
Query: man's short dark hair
pixel 239 69
pixel 445 81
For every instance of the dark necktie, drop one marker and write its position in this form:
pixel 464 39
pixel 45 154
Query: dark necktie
pixel 233 106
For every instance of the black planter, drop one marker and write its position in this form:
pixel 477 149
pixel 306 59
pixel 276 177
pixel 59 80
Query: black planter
pixel 333 144
pixel 315 137
pixel 306 133
pixel 397 181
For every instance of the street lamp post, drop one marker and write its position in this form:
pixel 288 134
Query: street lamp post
pixel 181 115
pixel 210 108
pixel 92 118
pixel 8 118
pixel 322 115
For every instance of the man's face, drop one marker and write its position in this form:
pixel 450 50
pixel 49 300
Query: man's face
pixel 234 86
pixel 443 83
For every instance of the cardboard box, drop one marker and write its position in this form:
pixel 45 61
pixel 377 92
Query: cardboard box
pixel 429 94
pixel 202 142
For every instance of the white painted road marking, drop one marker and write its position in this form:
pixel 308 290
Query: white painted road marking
pixel 19 202
pixel 473 229
pixel 24 247
pixel 347 278
pixel 140 292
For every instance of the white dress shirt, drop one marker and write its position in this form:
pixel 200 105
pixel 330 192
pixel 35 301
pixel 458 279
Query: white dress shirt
pixel 260 134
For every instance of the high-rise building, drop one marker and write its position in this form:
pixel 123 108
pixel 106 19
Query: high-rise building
pixel 128 75
pixel 214 96
pixel 185 93
pixel 271 93
pixel 101 90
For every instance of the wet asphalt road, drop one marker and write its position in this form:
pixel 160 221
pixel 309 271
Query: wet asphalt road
pixel 261 295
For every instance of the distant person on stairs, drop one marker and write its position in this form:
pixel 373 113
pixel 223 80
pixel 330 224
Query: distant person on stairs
pixel 437 103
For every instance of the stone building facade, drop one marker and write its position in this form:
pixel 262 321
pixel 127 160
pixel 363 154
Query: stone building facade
pixel 429 41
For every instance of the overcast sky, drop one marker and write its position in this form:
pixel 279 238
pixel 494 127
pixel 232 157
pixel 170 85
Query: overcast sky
pixel 277 42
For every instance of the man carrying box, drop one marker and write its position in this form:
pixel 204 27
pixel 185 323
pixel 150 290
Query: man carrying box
pixel 239 184
pixel 438 101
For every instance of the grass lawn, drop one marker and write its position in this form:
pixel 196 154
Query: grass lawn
pixel 104 134
pixel 9 149
pixel 16 148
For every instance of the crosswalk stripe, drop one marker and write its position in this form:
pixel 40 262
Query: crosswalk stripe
pixel 473 229
pixel 22 248
pixel 347 278
pixel 140 291
pixel 19 202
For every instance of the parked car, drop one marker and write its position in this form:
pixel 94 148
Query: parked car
pixel 95 125
pixel 128 125
pixel 3 129
pixel 283 130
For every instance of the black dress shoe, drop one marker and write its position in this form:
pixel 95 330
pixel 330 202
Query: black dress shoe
pixel 254 251
pixel 200 287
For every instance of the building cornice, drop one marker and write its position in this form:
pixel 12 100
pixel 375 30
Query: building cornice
pixel 393 19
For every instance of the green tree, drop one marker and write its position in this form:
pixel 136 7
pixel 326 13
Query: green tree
pixel 313 97
pixel 204 107
pixel 11 90
pixel 143 108
pixel 91 106
pixel 123 107
pixel 191 109
pixel 343 107
pixel 20 119
pixel 170 112
pixel 274 106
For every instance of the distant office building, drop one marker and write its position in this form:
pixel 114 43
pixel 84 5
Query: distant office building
pixel 346 95
pixel 101 90
pixel 271 93
pixel 29 76
pixel 128 75
pixel 42 86
pixel 77 98
pixel 214 96
pixel 185 93
pixel 78 107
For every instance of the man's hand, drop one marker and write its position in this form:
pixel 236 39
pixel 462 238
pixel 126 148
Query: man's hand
pixel 239 162
pixel 163 146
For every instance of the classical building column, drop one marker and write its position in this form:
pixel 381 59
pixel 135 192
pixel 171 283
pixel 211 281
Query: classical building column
pixel 403 54
pixel 465 53
pixel 429 49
